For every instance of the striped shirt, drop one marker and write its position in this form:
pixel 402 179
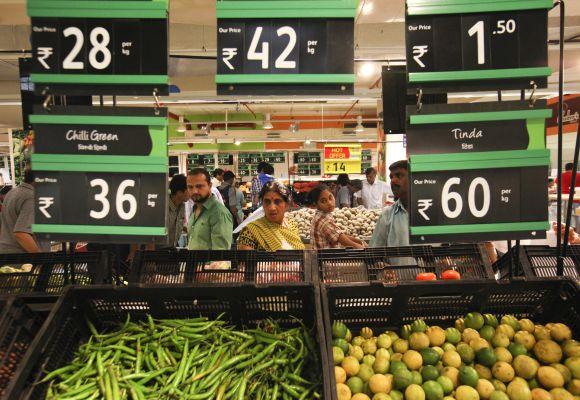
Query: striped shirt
pixel 324 233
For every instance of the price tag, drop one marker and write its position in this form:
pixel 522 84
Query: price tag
pixel 80 47
pixel 479 204
pixel 120 207
pixel 314 170
pixel 479 45
pixel 340 159
pixel 310 50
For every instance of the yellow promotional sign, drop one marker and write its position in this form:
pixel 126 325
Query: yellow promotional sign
pixel 342 159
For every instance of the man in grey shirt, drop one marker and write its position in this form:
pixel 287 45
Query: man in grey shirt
pixel 17 219
pixel 228 192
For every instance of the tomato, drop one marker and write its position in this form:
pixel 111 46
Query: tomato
pixel 426 276
pixel 450 275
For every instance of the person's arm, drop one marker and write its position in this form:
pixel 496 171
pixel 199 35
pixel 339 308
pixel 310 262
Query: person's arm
pixel 490 250
pixel 380 236
pixel 27 242
pixel 233 203
pixel 349 241
pixel 222 232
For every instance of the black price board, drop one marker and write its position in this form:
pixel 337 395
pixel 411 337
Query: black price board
pixel 82 47
pixel 301 158
pixel 255 158
pixel 366 155
pixel 122 207
pixel 110 135
pixel 315 170
pixel 314 159
pixel 486 203
pixel 309 50
pixel 274 158
pixel 479 45
pixel 479 127
pixel 304 170
pixel 243 158
pixel 225 159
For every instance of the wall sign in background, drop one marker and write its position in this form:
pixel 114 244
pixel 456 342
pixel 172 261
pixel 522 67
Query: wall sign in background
pixel 342 159
pixel 477 127
pixel 287 46
pixel 83 47
pixel 477 45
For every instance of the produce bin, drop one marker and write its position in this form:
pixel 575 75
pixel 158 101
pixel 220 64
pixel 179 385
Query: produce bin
pixel 537 262
pixel 383 307
pixel 398 264
pixel 20 320
pixel 200 266
pixel 243 305
pixel 50 273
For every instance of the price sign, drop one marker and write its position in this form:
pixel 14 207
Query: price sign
pixel 342 159
pixel 478 127
pixel 225 159
pixel 309 50
pixel 303 170
pixel 483 202
pixel 102 135
pixel 81 47
pixel 315 170
pixel 126 207
pixel 300 158
pixel 477 45
pixel 314 159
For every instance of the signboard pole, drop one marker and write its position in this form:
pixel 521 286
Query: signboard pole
pixel 560 260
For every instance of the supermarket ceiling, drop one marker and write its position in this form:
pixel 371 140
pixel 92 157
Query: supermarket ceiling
pixel 379 37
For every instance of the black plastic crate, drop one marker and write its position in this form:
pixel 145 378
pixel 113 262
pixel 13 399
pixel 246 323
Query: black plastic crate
pixel 20 320
pixel 398 264
pixel 537 262
pixel 107 308
pixel 221 267
pixel 52 272
pixel 383 307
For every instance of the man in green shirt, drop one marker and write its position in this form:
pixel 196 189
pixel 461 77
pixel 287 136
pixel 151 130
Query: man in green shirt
pixel 210 224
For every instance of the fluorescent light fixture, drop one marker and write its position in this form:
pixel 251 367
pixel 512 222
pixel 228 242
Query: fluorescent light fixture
pixel 237 142
pixel 359 127
pixel 307 141
pixel 181 128
pixel 367 70
pixel 268 123
pixel 367 8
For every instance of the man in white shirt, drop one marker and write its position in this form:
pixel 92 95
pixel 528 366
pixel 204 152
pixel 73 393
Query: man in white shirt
pixel 374 193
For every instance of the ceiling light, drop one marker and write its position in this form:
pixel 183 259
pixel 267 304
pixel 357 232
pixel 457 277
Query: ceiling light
pixel 359 127
pixel 181 128
pixel 307 142
pixel 367 8
pixel 237 142
pixel 205 129
pixel 294 127
pixel 267 122
pixel 367 70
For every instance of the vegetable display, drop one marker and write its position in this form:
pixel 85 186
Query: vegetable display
pixel 358 222
pixel 192 359
pixel 481 357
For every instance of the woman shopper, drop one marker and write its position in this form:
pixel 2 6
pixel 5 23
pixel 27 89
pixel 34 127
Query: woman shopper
pixel 274 231
pixel 324 233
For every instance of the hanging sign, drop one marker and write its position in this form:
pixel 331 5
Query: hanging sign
pixel 477 45
pixel 487 199
pixel 102 135
pixel 286 46
pixel 476 127
pixel 342 159
pixel 99 48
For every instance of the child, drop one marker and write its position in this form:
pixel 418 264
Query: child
pixel 324 233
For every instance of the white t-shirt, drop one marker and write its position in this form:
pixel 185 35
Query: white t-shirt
pixel 374 196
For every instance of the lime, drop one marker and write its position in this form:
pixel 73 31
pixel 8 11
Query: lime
pixel 511 321
pixel 533 383
pixel 406 331
pixel 452 335
pixel 337 355
pixel 368 359
pixel 417 378
pixel 490 320
pixel 339 330
pixel 429 373
pixel 396 395
pixel 448 346
pixel 517 349
pixel 486 356
pixel 402 378
pixel 466 353
pixel 381 396
pixel 468 376
pixel 396 366
pixel 343 344
pixel 419 326
pixel 365 372
pixel 474 320
pixel 384 341
pixel 498 395
pixel 355 384
pixel 358 341
pixel 487 332
pixel 500 340
pixel 446 384
pixel 433 390
pixel 430 356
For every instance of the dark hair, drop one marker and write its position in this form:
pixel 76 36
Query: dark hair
pixel 357 184
pixel 569 166
pixel 178 184
pixel 403 164
pixel 343 179
pixel 261 166
pixel 369 171
pixel 201 171
pixel 315 193
pixel 217 172
pixel 269 169
pixel 229 175
pixel 275 187
pixel 28 175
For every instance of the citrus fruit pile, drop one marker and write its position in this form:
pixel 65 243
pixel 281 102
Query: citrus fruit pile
pixel 481 357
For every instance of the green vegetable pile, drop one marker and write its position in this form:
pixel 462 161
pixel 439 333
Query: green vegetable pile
pixel 190 359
